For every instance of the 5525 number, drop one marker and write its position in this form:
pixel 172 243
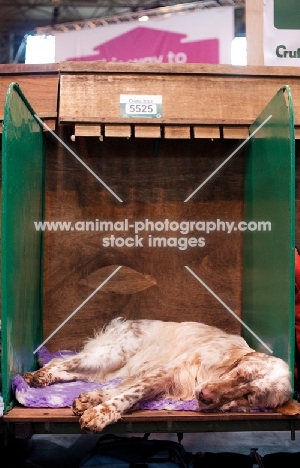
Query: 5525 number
pixel 140 108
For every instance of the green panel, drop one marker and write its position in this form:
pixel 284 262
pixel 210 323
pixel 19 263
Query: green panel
pixel 286 14
pixel 268 283
pixel 22 204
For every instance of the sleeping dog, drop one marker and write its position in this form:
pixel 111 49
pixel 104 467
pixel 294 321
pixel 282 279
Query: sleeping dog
pixel 168 359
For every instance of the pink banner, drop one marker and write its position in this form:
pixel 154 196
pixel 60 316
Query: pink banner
pixel 159 47
pixel 203 36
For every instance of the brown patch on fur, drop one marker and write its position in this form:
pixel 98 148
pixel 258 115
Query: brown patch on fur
pixel 92 413
pixel 74 363
pixel 290 408
pixel 135 329
pixel 128 397
pixel 236 363
pixel 196 361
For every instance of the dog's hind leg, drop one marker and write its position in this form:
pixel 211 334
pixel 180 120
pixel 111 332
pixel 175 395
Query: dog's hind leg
pixel 103 355
pixel 93 364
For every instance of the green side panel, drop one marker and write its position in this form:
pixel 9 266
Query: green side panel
pixel 22 204
pixel 269 278
pixel 286 14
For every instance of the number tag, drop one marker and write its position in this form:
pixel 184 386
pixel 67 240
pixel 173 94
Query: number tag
pixel 140 106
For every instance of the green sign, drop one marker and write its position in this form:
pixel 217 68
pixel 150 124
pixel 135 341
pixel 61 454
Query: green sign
pixel 287 14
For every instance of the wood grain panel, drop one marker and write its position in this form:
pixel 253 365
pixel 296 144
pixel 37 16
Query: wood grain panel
pixel 147 131
pixel 153 183
pixel 185 69
pixel 208 95
pixel 236 132
pixel 118 131
pixel 52 415
pixel 177 131
pixel 87 130
pixel 40 89
pixel 206 131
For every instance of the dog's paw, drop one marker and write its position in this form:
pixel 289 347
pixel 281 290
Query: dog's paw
pixel 238 406
pixel 95 419
pixel 86 401
pixel 40 378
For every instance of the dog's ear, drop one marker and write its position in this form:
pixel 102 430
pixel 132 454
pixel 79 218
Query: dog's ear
pixel 290 408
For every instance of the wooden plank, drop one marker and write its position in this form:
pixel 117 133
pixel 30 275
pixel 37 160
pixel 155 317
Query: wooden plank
pixel 235 132
pixel 254 32
pixel 177 131
pixel 118 131
pixel 39 84
pixel 147 131
pixel 206 131
pixel 21 414
pixel 87 130
pixel 51 123
pixel 159 421
pixel 29 69
pixel 176 69
pixel 206 97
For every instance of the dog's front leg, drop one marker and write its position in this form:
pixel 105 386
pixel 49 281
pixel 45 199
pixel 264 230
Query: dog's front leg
pixel 87 400
pixel 109 411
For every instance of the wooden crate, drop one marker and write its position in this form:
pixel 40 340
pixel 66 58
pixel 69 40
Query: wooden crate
pixel 152 165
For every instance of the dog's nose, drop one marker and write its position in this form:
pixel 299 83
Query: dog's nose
pixel 203 396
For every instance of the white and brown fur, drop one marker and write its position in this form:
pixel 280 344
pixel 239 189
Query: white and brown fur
pixel 181 360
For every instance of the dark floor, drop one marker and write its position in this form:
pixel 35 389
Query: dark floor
pixel 67 451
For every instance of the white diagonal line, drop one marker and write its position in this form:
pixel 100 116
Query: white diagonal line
pixel 78 158
pixel 229 310
pixel 227 159
pixel 78 308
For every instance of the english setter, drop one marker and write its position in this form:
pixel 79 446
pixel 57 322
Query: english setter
pixel 168 359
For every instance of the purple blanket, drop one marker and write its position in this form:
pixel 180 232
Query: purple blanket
pixel 62 395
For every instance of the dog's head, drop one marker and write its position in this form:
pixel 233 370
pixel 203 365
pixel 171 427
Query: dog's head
pixel 255 381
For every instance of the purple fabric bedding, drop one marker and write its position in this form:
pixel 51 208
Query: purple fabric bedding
pixel 62 395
